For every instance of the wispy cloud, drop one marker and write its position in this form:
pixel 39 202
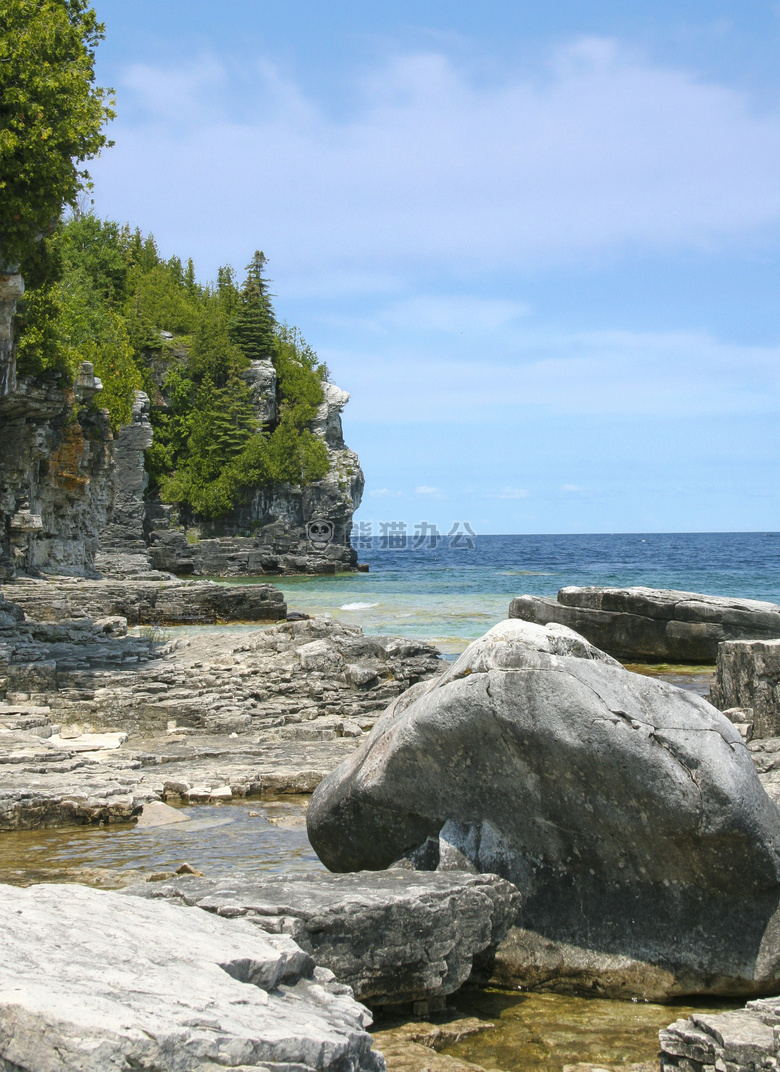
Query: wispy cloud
pixel 433 493
pixel 603 152
pixel 508 493
pixel 385 493
pixel 620 373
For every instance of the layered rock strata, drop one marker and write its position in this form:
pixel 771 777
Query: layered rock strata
pixel 149 985
pixel 253 712
pixel 650 624
pixel 627 812
pixel 148 602
pixel 745 1040
pixel 56 475
pixel 748 679
pixel 393 936
pixel 122 540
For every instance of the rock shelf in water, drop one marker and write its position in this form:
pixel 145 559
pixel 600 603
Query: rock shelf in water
pixel 651 624
pixel 270 710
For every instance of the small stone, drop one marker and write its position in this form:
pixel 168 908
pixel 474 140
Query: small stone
pixel 188 869
pixel 155 813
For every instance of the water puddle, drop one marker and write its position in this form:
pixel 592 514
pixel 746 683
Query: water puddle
pixel 541 1032
pixel 696 679
pixel 251 836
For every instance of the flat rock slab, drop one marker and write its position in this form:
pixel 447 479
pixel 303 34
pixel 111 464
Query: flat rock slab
pixel 142 602
pixel 653 624
pixel 278 675
pixel 627 812
pixel 44 786
pixel 745 1040
pixel 393 936
pixel 95 981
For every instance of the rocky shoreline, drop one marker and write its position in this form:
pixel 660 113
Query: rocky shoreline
pixel 100 726
pixel 95 722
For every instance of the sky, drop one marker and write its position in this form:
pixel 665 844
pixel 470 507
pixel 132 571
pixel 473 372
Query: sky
pixel 539 244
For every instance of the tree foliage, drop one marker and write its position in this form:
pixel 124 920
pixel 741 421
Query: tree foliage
pixel 52 114
pixel 106 295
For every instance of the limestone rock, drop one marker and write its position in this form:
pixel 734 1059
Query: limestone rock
pixel 245 712
pixel 95 981
pixel 653 625
pixel 748 676
pixel 261 380
pixel 56 474
pixel 745 1040
pixel 393 936
pixel 627 812
pixel 148 602
pixel 124 529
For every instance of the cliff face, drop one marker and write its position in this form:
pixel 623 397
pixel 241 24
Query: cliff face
pixel 56 477
pixel 281 528
pixel 56 463
pixel 69 490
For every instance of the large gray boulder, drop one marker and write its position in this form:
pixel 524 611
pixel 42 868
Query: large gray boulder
pixel 93 981
pixel 653 624
pixel 627 812
pixel 394 936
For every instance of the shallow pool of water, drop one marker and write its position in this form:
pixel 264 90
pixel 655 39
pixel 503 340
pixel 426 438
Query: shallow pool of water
pixel 539 1032
pixel 264 835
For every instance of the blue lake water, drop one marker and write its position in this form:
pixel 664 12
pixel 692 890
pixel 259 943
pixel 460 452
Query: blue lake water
pixel 451 595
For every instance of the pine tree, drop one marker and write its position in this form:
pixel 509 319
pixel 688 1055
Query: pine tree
pixel 253 325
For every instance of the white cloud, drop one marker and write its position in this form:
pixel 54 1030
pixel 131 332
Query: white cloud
pixel 424 489
pixel 455 314
pixel 571 488
pixel 385 493
pixel 614 373
pixel 605 152
pixel 508 493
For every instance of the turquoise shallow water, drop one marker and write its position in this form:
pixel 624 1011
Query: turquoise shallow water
pixel 451 595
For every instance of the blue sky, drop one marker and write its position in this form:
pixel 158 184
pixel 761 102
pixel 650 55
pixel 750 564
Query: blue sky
pixel 538 243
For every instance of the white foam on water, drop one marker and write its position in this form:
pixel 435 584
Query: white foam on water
pixel 357 606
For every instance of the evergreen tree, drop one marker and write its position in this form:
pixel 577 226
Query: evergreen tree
pixel 253 324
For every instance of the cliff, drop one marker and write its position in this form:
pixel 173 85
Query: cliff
pixel 70 491
pixel 56 476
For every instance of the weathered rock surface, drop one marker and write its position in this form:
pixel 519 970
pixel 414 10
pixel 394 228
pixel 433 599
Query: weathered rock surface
pixel 272 532
pixel 148 602
pixel 650 624
pixel 124 529
pixel 748 677
pixel 91 980
pixel 394 936
pixel 627 812
pixel 745 1040
pixel 259 711
pixel 56 475
pixel 11 289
